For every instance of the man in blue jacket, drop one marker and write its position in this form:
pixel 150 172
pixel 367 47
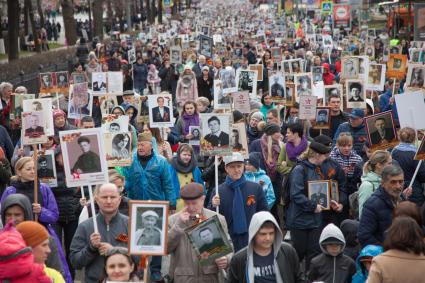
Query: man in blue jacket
pixel 148 178
pixel 238 200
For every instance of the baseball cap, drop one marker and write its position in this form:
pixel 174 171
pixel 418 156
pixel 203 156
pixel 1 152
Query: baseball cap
pixel 357 113
pixel 235 157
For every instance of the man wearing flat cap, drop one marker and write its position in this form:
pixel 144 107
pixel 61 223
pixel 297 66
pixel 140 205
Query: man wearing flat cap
pixel 305 217
pixel 183 256
pixel 238 199
pixel 149 235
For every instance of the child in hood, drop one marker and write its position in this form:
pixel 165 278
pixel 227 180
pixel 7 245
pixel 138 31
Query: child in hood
pixel 364 261
pixel 332 265
pixel 153 79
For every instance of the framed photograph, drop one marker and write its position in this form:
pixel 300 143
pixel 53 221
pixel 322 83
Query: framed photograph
pixel 107 104
pixel 415 75
pixel 356 94
pixel 44 105
pixel 277 88
pixel 395 49
pixel 196 133
pixel 148 229
pixel 228 80
pixel 205 30
pixel 350 68
pixel 318 192
pixel 415 55
pixel 62 82
pixel 290 93
pixel 369 51
pixel 80 101
pixel 317 73
pixel 46 83
pixel 247 80
pixel 118 148
pixel 99 83
pixel 238 139
pixel 221 100
pixel 287 66
pixel 303 84
pixel 33 130
pixel 323 118
pixel 84 157
pixel 327 41
pixel 78 78
pixel 131 54
pixel 46 168
pixel 215 130
pixel 241 101
pixel 259 68
pixel 396 66
pixel 205 45
pixel 381 131
pixel 208 238
pixel 160 110
pixel 307 110
pixel 331 91
pixel 376 77
pixel 420 153
pixel 297 66
pixel 334 190
pixel 17 104
pixel 115 81
pixel 276 54
pixel 112 123
pixel 175 55
pixel 363 66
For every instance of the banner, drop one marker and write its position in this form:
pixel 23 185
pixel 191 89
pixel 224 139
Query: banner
pixel 342 16
pixel 419 22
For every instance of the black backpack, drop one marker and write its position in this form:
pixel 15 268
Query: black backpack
pixel 286 186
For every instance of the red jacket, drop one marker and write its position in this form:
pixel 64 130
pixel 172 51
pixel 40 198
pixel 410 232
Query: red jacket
pixel 328 77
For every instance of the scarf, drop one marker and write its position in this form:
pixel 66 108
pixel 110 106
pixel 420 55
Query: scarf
pixel 27 189
pixel 406 147
pixel 240 226
pixel 270 161
pixel 189 120
pixel 181 167
pixel 294 151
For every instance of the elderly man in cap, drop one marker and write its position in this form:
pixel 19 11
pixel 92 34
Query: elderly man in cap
pixel 183 257
pixel 149 235
pixel 356 127
pixel 148 178
pixel 238 200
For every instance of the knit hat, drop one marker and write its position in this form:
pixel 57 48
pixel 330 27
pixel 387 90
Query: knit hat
pixel 254 159
pixel 257 116
pixel 144 137
pixel 322 144
pixel 33 233
pixel 271 129
pixel 58 112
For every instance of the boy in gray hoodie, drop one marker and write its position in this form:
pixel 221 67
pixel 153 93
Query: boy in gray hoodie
pixel 266 258
pixel 332 266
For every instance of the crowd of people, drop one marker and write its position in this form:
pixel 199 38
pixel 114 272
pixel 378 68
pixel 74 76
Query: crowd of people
pixel 367 225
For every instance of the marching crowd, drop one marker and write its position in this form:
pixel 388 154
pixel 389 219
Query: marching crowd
pixel 369 229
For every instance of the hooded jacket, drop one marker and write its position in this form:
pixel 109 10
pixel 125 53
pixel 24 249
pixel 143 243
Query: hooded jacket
pixel 370 183
pixel 361 271
pixel 261 176
pixel 349 228
pixel 16 199
pixel 286 264
pixel 328 268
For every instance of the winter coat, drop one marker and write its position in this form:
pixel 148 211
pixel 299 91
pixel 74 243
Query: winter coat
pixel 361 271
pixel 252 134
pixel 6 142
pixel 255 146
pixel 226 194
pixel 82 53
pixel 286 263
pixel 394 266
pixel 405 159
pixel 140 75
pixel 300 213
pixel 261 176
pixel 350 228
pixel 370 182
pixel 169 79
pixel 186 90
pixel 376 218
pixel 328 268
pixel 204 87
pixel 283 156
pixel 150 183
pixel 83 255
pixel 359 136
pixel 184 265
pixel 5 174
pixel 197 178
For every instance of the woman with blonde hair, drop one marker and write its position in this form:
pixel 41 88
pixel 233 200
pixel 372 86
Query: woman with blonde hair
pixel 404 153
pixel 371 178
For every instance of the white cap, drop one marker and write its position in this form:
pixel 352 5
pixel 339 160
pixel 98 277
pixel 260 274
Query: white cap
pixel 235 157
pixel 149 213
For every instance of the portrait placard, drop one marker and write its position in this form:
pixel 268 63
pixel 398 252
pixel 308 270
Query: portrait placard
pixel 259 68
pixel 131 54
pixel 317 72
pixel 80 101
pixel 46 168
pixel 323 118
pixel 44 105
pixel 396 66
pixel 308 106
pixel 228 80
pixel 420 153
pixel 350 68
pixel 415 75
pixel 47 85
pixel 238 139
pixel 175 55
pixel 115 83
pixel 107 104
pixel 276 54
pixel 160 110
pixel 333 91
pixel 277 88
pixel 376 77
pixel 112 123
pixel 195 131
pixel 215 129
pixel 84 157
pixel 17 104
pixel 381 131
pixel 205 45
pixel 33 131
pixel 62 82
pixel 247 80
pixel 241 101
pixel 99 83
pixel 78 78
pixel 208 238
pixel 118 148
pixel 318 192
pixel 356 94
pixel 148 229
pixel 303 84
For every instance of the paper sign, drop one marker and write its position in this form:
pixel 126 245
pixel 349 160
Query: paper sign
pixel 411 110
pixel 308 105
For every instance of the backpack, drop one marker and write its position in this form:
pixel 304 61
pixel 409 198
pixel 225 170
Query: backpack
pixel 353 201
pixel 286 186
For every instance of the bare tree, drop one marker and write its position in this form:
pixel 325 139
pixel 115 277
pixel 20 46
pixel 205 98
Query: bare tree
pixel 13 29
pixel 69 21
pixel 98 18
pixel 40 13
pixel 37 40
pixel 160 8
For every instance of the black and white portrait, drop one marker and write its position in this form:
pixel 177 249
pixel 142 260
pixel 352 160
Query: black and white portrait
pixel 205 45
pixel 195 131
pixel 107 104
pixel 33 131
pixel 355 94
pixel 62 80
pixel 304 84
pixel 318 192
pixel 376 77
pixel 228 80
pixel 277 87
pixel 215 132
pixel 80 101
pixel 350 68
pixel 247 80
pixel 415 76
pixel 45 106
pixel 175 55
pixel 381 130
pixel 317 73
pixel 322 118
pixel 99 83
pixel 46 168
pixel 46 81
